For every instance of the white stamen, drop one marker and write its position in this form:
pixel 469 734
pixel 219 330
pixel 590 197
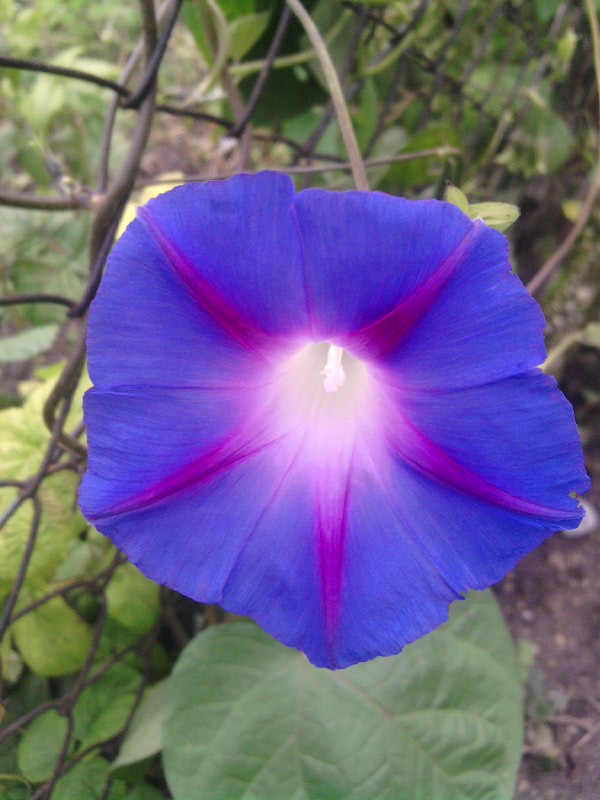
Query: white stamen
pixel 333 371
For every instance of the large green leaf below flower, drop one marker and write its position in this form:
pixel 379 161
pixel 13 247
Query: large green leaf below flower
pixel 247 718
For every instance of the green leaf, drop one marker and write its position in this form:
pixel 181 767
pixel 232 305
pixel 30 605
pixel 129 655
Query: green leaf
pixel 23 434
pixel 42 251
pixel 52 638
pixel 457 198
pixel 365 121
pixel 248 718
pixel 245 31
pixel 31 691
pixel 86 781
pixel 236 8
pixel 41 745
pixel 546 9
pixel 12 663
pixel 554 140
pixel 193 20
pixel 421 171
pixel 103 707
pixel 591 334
pixel 60 523
pixel 144 791
pixel 23 441
pixel 144 737
pixel 497 215
pixel 32 161
pixel 84 557
pixel 14 787
pixel 27 344
pixel 133 599
pixel 337 28
pixel 390 143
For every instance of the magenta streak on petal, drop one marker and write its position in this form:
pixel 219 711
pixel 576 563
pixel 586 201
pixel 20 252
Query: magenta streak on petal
pixel 270 503
pixel 426 457
pixel 309 306
pixel 378 339
pixel 211 301
pixel 237 448
pixel 333 489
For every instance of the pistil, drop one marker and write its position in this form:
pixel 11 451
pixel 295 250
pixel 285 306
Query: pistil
pixel 333 370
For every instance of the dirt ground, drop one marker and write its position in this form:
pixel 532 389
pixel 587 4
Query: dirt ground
pixel 552 601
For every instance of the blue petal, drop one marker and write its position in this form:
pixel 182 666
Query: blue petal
pixel 201 287
pixel 366 253
pixel 221 467
pixel 518 434
pixel 242 246
pixel 413 546
pixel 483 326
pixel 417 285
pixel 241 536
pixel 138 438
pixel 191 538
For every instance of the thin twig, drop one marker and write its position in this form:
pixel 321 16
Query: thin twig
pixel 45 203
pixel 351 52
pixel 9 606
pixel 62 392
pixel 203 116
pixel 134 100
pixel 111 113
pixel 82 306
pixel 313 169
pixel 31 65
pixel 266 70
pixel 437 81
pixel 29 491
pixel 123 182
pixel 24 299
pixel 545 272
pixel 337 94
pixel 94 584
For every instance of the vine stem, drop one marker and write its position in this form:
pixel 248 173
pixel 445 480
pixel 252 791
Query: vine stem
pixel 540 278
pixel 445 151
pixel 337 95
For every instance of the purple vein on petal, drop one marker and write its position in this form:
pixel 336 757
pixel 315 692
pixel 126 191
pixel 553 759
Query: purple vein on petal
pixel 427 458
pixel 272 499
pixel 333 492
pixel 236 448
pixel 380 338
pixel 309 305
pixel 239 328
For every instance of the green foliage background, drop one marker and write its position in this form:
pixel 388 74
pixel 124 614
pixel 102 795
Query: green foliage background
pixel 124 690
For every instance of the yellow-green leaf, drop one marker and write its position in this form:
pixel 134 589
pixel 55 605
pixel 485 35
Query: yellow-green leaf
pixel 457 198
pixel 132 599
pixel 52 639
pixel 23 434
pixel 60 522
pixel 497 215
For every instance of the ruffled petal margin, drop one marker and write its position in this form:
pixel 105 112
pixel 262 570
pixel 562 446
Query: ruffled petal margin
pixel 345 522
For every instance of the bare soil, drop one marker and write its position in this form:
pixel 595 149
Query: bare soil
pixel 552 601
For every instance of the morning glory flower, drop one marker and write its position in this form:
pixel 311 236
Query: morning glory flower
pixel 322 410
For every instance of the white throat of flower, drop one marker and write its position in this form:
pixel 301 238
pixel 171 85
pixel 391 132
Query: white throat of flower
pixel 333 370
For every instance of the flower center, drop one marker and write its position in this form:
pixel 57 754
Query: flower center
pixel 301 390
pixel 333 370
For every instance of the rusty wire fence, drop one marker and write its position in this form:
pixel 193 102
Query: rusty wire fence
pixel 430 69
